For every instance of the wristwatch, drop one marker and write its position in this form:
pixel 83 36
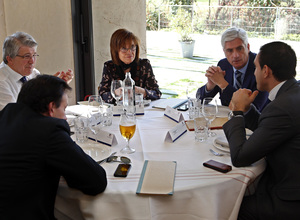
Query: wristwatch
pixel 236 114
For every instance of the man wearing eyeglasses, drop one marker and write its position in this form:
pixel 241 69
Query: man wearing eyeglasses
pixel 18 66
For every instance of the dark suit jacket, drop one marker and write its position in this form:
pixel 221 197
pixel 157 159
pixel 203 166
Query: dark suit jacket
pixel 276 138
pixel 249 83
pixel 35 151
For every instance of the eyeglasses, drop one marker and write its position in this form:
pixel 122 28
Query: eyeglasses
pixel 124 49
pixel 28 56
pixel 115 159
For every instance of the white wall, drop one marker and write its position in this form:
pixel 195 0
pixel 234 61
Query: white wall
pixel 50 23
pixel 110 15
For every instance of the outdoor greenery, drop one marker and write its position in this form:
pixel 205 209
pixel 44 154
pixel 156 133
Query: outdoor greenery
pixel 261 18
pixel 276 19
pixel 181 23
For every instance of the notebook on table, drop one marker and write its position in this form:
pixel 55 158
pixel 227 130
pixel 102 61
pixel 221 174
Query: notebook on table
pixel 157 178
pixel 172 102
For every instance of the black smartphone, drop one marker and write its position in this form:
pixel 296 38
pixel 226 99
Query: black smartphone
pixel 122 170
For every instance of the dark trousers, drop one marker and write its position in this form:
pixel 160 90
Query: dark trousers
pixel 248 209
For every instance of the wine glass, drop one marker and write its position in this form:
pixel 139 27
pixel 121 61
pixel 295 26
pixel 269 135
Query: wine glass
pixel 191 90
pixel 209 111
pixel 94 114
pixel 127 128
pixel 116 90
pixel 95 100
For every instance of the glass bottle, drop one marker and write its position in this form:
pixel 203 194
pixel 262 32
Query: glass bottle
pixel 128 94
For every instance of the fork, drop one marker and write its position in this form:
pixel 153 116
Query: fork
pixel 217 153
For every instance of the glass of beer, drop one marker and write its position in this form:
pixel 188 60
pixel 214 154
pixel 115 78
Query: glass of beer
pixel 127 128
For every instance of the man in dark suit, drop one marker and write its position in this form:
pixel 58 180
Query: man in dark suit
pixel 233 72
pixel 36 149
pixel 276 135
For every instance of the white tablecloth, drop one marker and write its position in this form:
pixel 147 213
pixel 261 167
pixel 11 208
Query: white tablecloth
pixel 199 192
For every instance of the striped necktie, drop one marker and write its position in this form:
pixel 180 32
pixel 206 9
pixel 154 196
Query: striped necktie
pixel 23 79
pixel 238 77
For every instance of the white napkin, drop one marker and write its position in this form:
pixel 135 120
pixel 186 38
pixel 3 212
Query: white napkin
pixel 222 141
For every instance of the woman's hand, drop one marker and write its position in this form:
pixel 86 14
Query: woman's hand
pixel 140 90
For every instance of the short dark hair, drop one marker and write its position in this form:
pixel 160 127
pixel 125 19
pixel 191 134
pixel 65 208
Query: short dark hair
pixel 280 58
pixel 38 92
pixel 119 39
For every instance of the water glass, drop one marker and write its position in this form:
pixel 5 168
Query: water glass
pixel 200 127
pixel 107 114
pixel 194 107
pixel 139 99
pixel 81 129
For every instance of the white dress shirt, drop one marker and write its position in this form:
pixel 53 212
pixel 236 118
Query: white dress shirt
pixel 10 84
pixel 274 91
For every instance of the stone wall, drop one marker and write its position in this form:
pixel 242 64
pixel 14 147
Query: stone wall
pixel 50 23
pixel 109 16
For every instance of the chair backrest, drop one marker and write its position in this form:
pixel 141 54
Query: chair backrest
pixel 86 97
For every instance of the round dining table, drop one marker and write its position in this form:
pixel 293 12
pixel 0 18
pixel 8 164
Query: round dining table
pixel 199 192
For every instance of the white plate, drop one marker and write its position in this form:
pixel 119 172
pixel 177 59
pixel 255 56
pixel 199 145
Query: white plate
pixel 83 103
pixel 97 152
pixel 70 119
pixel 87 103
pixel 220 147
pixel 146 102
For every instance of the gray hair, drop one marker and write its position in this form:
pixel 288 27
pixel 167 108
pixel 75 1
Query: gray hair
pixel 13 43
pixel 233 33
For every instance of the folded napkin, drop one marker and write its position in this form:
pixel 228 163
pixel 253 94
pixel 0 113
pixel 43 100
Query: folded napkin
pixel 222 141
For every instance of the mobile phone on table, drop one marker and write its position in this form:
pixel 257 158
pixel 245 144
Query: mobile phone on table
pixel 218 166
pixel 122 170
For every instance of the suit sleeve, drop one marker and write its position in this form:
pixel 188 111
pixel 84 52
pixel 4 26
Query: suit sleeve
pixel 69 160
pixel 275 126
pixel 226 94
pixel 202 93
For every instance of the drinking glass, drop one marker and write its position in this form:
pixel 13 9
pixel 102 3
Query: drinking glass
pixel 127 128
pixel 191 89
pixel 94 115
pixel 209 111
pixel 95 100
pixel 116 90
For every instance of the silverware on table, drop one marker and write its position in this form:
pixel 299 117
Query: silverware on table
pixel 217 153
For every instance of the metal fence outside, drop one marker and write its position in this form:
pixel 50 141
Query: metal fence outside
pixel 277 22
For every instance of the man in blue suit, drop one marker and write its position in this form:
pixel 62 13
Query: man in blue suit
pixel 233 72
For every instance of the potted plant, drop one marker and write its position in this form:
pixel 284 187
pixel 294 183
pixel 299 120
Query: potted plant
pixel 187 43
pixel 182 23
